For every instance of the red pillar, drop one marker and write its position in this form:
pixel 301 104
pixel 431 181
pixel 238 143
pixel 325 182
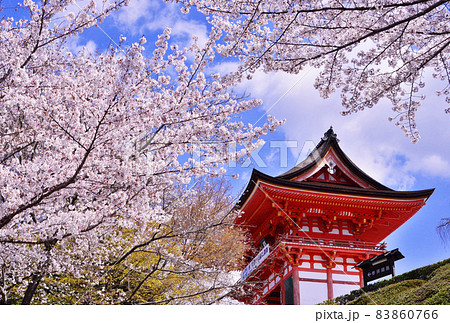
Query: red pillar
pixel 329 283
pixel 296 287
pixel 361 278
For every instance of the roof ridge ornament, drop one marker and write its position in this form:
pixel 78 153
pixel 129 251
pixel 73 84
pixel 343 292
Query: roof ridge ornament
pixel 330 134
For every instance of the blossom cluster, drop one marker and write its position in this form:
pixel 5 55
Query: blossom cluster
pixel 366 49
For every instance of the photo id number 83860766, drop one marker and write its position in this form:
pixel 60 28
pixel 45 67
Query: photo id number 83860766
pixel 406 314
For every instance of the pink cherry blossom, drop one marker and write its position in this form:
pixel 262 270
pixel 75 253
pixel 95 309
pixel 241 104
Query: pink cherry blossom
pixel 366 49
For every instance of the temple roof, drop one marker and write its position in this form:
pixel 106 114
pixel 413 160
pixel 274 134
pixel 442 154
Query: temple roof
pixel 327 142
pixel 327 155
pixel 258 176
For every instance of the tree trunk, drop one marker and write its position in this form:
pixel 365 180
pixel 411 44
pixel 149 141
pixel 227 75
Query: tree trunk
pixel 32 286
pixel 3 291
pixel 4 298
pixel 38 275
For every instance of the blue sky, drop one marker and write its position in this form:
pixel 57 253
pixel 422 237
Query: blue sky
pixel 376 145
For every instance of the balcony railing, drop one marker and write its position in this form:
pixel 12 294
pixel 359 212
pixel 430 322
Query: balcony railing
pixel 331 242
pixel 269 248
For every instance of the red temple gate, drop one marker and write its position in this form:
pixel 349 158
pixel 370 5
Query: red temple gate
pixel 310 226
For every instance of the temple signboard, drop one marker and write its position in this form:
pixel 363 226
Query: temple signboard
pixel 380 266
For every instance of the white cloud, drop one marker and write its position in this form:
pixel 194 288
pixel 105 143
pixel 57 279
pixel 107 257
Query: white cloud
pixel 74 46
pixel 186 29
pixel 433 165
pixel 136 15
pixel 150 16
pixel 90 46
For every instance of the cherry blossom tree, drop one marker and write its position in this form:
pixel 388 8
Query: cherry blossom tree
pixel 187 260
pixel 366 49
pixel 90 142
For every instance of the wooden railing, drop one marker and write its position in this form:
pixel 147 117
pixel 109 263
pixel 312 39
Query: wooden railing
pixel 331 242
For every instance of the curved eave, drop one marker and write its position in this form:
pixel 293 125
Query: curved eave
pixel 258 176
pixel 322 148
pixel 249 189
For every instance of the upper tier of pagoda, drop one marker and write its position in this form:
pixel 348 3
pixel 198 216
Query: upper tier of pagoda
pixel 327 185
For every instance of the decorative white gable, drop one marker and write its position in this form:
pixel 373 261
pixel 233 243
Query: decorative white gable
pixel 331 169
